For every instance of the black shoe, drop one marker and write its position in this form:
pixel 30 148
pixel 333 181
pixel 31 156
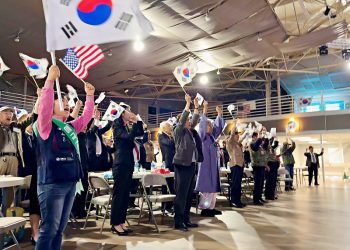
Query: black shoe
pixel 237 205
pixel 32 241
pixel 181 227
pixel 262 200
pixel 316 184
pixel 128 230
pixel 216 212
pixel 287 189
pixel 190 224
pixel 258 203
pixel 270 198
pixel 207 213
pixel 115 231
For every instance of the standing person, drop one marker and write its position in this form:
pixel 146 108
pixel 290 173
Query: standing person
pixel 313 164
pixel 123 167
pixel 224 155
pixel 11 151
pixel 273 163
pixel 235 150
pixel 185 159
pixel 246 155
pixel 208 179
pixel 96 149
pixel 149 149
pixel 259 162
pixel 288 162
pixel 58 160
pixel 167 147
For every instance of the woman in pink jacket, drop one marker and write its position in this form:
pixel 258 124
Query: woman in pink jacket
pixel 58 160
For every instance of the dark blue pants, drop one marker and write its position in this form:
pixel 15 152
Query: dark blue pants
pixel 259 175
pixel 271 179
pixel 290 169
pixel 236 184
pixel 56 201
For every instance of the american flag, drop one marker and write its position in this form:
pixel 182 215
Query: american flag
pixel 80 59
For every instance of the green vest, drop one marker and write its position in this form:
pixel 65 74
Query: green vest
pixel 258 158
pixel 271 155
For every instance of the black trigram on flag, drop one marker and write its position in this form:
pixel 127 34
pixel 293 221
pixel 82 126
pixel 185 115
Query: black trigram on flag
pixel 69 29
pixel 124 21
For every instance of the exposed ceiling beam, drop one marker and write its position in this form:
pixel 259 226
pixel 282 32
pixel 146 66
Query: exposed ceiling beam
pixel 277 70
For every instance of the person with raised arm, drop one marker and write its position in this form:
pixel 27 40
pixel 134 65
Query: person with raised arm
pixel 58 159
pixel 185 158
pixel 208 178
pixel 288 162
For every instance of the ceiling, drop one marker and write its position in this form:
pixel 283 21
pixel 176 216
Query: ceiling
pixel 228 41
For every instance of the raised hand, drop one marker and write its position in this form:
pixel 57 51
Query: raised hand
pixel 54 73
pixel 219 110
pixel 196 102
pixel 89 89
pixel 188 98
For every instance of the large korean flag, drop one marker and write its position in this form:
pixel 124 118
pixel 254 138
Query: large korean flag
pixel 72 23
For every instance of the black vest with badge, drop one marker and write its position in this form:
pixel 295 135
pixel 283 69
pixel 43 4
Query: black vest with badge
pixel 57 159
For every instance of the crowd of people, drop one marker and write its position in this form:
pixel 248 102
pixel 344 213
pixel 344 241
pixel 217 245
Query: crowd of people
pixel 60 147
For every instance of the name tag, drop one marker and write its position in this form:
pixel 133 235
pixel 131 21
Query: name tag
pixel 16 130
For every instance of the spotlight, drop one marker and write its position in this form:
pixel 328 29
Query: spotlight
pixel 139 45
pixel 204 80
pixel 207 17
pixel 126 91
pixel 109 53
pixel 323 50
pixel 327 10
pixel 17 40
pixel 259 38
pixel 218 72
pixel 345 53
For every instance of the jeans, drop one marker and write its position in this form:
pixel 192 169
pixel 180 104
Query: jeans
pixel 56 201
pixel 290 169
pixel 271 180
pixel 236 184
pixel 259 175
pixel 184 178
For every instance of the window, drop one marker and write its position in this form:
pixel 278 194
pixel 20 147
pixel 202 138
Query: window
pixel 312 108
pixel 338 105
pixel 335 155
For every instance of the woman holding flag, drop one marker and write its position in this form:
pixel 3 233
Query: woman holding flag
pixel 58 160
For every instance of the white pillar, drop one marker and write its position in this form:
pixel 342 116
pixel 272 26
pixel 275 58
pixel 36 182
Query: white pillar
pixel 279 93
pixel 268 94
pixel 323 170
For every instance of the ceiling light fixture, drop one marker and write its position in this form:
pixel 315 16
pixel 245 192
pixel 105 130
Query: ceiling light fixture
pixel 109 53
pixel 204 79
pixel 207 17
pixel 17 38
pixel 126 91
pixel 259 38
pixel 139 45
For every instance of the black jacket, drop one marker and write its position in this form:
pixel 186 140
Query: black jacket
pixel 308 159
pixel 97 163
pixel 198 140
pixel 167 147
pixel 124 141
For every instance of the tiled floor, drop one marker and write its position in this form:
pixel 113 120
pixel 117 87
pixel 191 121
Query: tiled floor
pixel 310 218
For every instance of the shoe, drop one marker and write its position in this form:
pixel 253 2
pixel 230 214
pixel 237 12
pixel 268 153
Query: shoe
pixel 216 212
pixel 270 198
pixel 181 227
pixel 128 230
pixel 207 213
pixel 262 200
pixel 115 231
pixel 276 197
pixel 287 189
pixel 292 188
pixel 238 205
pixel 316 184
pixel 258 203
pixel 32 241
pixel 170 210
pixel 190 224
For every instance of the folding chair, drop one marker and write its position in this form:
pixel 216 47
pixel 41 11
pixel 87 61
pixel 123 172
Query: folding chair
pixel 148 181
pixel 283 175
pixel 247 184
pixel 8 224
pixel 98 183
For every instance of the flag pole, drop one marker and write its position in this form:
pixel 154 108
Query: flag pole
pixel 53 59
pixel 35 82
pixel 183 89
pixel 71 71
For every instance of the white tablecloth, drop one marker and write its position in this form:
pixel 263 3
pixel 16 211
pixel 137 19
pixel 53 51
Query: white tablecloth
pixel 10 181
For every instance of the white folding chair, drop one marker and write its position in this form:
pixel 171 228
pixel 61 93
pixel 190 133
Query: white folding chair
pixel 149 181
pixel 8 224
pixel 283 176
pixel 98 183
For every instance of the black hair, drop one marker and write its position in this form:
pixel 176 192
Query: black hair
pixel 255 134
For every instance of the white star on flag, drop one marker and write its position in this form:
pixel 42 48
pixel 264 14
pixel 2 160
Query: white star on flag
pixel 3 67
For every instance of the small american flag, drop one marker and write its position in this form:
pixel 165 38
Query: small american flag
pixel 80 59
